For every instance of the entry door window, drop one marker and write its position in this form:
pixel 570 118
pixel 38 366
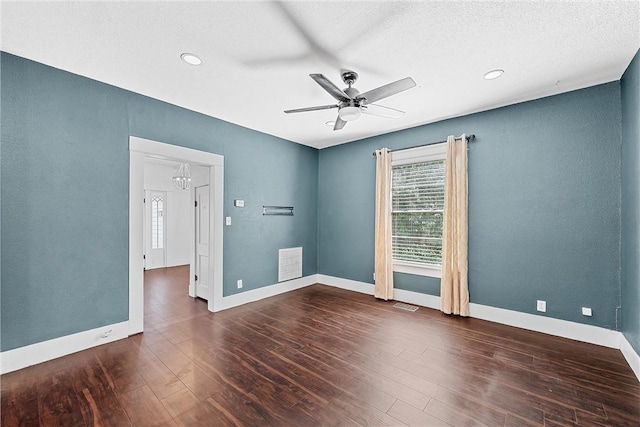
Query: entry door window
pixel 157 222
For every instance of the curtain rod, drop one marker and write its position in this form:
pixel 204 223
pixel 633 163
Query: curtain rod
pixel 469 138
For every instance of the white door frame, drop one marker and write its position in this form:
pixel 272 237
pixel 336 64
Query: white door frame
pixel 138 149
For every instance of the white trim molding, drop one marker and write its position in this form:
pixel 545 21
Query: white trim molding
pixel 424 300
pixel 417 268
pixel 22 357
pixel 263 292
pixel 548 325
pixel 348 284
pixel 633 358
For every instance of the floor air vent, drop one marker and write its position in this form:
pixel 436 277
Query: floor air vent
pixel 403 306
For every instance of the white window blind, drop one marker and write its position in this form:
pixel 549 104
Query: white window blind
pixel 417 205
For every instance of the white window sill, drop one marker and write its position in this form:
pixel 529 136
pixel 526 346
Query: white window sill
pixel 417 269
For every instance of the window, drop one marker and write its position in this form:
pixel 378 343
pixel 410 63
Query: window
pixel 157 223
pixel 417 209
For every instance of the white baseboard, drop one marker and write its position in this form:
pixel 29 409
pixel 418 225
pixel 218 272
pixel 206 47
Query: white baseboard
pixel 177 262
pixel 348 284
pixel 547 325
pixel 633 358
pixel 424 300
pixel 265 292
pixel 416 298
pixel 22 357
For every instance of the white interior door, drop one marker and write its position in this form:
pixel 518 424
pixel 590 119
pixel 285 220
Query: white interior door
pixel 156 229
pixel 202 242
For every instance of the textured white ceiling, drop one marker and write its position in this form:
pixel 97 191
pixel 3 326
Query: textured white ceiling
pixel 256 61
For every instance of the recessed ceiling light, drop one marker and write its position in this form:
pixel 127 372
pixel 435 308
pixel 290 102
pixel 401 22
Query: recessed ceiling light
pixel 493 74
pixel 191 59
pixel 330 123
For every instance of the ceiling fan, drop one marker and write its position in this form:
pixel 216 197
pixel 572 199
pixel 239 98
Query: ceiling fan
pixel 351 103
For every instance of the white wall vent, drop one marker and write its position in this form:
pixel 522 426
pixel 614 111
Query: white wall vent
pixel 289 264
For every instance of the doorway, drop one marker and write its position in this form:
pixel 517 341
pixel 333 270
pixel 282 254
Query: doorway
pixel 138 149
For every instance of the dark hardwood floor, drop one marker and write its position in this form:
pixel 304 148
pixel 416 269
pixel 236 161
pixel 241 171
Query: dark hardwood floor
pixel 322 356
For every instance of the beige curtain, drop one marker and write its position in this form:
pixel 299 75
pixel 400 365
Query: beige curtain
pixel 454 291
pixel 383 249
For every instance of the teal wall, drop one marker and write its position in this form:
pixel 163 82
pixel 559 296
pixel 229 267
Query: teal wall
pixel 630 85
pixel 544 205
pixel 65 190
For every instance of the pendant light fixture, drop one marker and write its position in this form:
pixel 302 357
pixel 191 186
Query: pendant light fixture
pixel 182 177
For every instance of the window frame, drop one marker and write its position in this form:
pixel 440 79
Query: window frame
pixel 422 154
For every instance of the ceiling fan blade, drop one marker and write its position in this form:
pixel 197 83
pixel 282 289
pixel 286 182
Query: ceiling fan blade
pixel 382 111
pixel 327 85
pixel 315 46
pixel 319 107
pixel 339 124
pixel 387 90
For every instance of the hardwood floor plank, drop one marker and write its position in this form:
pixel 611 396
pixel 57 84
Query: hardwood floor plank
pixel 624 413
pixel 180 401
pixel 202 416
pixel 20 412
pixel 468 383
pixel 514 421
pixel 101 407
pixel 324 414
pixel 282 402
pixel 377 383
pixel 424 386
pixel 144 409
pixel 445 400
pixel 243 408
pixel 19 399
pixel 58 402
pixel 411 416
pixel 453 415
pixel 160 379
pixel 350 384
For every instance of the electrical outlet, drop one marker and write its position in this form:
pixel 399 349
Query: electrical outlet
pixel 541 306
pixel 586 311
pixel 228 220
pixel 239 284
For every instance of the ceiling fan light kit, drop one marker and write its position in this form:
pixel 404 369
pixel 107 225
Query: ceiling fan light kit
pixel 349 113
pixel 351 103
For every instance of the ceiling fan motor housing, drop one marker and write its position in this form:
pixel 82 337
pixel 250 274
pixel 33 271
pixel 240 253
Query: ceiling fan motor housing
pixel 352 92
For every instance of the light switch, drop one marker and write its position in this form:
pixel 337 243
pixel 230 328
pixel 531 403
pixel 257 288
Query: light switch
pixel 228 220
pixel 239 203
